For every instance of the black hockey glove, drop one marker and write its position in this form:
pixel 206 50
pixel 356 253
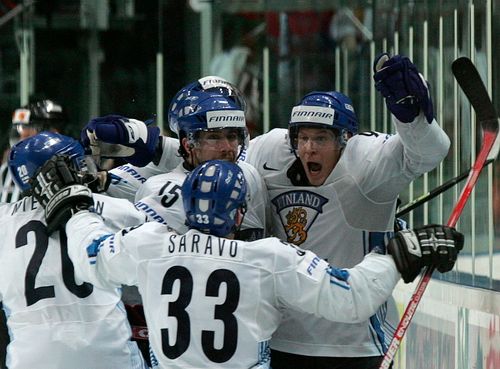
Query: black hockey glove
pixel 432 245
pixel 59 190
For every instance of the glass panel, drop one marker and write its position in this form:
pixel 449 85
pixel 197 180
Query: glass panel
pixel 330 45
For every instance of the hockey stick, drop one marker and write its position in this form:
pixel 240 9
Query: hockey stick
pixel 435 192
pixel 470 81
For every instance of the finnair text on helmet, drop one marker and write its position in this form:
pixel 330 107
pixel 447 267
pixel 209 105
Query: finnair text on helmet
pixel 225 118
pixel 313 114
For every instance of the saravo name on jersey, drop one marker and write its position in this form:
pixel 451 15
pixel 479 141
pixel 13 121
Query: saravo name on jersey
pixel 203 245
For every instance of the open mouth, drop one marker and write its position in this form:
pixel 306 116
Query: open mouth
pixel 314 167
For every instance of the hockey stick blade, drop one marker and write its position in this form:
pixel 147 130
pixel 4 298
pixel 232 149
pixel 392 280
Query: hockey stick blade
pixel 469 80
pixel 472 85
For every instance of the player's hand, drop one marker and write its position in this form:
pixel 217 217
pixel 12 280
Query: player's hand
pixel 59 190
pixel 405 90
pixel 114 136
pixel 432 245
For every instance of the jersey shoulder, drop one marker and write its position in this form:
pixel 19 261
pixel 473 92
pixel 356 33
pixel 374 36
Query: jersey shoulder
pixel 267 144
pixel 366 142
pixel 272 253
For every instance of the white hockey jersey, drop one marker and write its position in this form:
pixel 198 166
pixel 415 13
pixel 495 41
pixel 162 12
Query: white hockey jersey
pixel 160 197
pixel 333 220
pixel 55 319
pixel 215 303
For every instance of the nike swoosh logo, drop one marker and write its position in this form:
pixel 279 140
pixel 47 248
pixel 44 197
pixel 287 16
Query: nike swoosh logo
pixel 268 168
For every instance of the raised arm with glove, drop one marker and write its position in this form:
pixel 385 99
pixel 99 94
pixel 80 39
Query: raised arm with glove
pixel 405 90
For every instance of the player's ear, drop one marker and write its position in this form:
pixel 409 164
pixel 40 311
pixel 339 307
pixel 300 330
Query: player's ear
pixel 239 217
pixel 186 145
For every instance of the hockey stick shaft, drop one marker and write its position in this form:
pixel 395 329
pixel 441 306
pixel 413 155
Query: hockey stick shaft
pixel 470 81
pixel 435 192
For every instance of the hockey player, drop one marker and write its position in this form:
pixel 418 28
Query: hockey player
pixel 213 127
pixel 326 182
pixel 212 301
pixel 55 320
pixel 26 121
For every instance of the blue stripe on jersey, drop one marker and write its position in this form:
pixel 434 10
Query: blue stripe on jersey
pixel 152 358
pixel 376 326
pixel 338 277
pixel 388 328
pixel 264 357
pixel 94 247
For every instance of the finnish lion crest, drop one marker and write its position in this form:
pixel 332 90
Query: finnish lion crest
pixel 297 211
pixel 296 221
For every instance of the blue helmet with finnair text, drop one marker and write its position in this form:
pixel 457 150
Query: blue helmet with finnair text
pixel 193 91
pixel 28 155
pixel 210 112
pixel 329 109
pixel 211 194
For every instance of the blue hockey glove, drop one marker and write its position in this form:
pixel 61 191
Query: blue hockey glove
pixel 114 136
pixel 405 90
pixel 432 245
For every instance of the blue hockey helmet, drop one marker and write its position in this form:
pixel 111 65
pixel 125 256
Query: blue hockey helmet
pixel 42 115
pixel 28 155
pixel 329 109
pixel 212 193
pixel 193 91
pixel 210 112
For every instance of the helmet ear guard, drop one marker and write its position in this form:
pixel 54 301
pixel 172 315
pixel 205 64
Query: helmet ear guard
pixel 212 194
pixel 330 110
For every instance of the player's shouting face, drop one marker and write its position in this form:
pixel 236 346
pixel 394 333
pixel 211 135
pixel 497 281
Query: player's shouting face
pixel 319 152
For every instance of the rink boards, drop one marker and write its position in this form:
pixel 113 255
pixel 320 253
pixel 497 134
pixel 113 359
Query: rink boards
pixel 455 327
